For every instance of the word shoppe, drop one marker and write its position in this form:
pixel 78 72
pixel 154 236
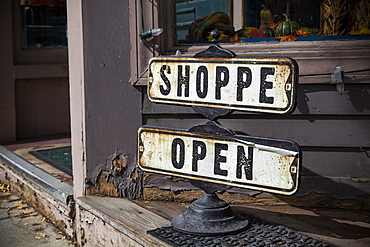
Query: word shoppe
pixel 240 83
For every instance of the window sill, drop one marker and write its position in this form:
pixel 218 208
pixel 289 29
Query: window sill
pixel 313 57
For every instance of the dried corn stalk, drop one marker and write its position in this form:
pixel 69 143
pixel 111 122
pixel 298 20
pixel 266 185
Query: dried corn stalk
pixel 332 16
pixel 361 15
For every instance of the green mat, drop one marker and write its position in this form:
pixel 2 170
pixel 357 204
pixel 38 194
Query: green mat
pixel 60 158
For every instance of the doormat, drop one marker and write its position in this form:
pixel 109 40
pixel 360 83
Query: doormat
pixel 60 158
pixel 258 233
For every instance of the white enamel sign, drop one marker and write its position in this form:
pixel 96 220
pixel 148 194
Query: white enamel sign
pixel 250 162
pixel 248 84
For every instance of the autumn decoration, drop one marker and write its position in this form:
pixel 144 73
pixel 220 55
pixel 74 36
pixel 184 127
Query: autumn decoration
pixel 266 18
pixel 337 17
pixel 287 27
pixel 360 18
pixel 333 14
pixel 245 32
pixel 287 38
pixel 302 32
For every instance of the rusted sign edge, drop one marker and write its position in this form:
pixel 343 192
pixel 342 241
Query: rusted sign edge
pixel 289 146
pixel 292 79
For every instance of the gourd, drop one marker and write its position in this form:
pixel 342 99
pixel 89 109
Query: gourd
pixel 266 18
pixel 269 32
pixel 287 27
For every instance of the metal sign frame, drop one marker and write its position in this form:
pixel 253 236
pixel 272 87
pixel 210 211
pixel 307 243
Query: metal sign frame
pixel 256 84
pixel 269 165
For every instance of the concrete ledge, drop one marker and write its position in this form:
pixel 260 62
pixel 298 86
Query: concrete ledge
pixel 130 222
pixel 47 194
pixel 49 183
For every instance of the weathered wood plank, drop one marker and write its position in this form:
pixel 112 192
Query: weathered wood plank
pixel 315 163
pixel 334 186
pixel 127 217
pixel 332 162
pixel 311 99
pixel 338 187
pixel 326 131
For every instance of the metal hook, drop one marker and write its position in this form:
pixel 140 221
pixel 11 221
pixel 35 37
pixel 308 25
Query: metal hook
pixel 337 77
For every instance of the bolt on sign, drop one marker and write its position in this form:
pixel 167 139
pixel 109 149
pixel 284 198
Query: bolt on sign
pixel 265 85
pixel 255 163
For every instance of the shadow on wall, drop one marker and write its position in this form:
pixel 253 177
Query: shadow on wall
pixel 318 191
pixel 333 188
pixel 324 99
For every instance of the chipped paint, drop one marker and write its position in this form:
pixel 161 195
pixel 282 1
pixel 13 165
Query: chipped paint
pixel 248 84
pixel 120 162
pixel 119 178
pixel 220 159
pixel 103 186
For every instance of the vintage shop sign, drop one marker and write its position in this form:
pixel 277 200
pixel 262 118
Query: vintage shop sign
pixel 243 161
pixel 250 84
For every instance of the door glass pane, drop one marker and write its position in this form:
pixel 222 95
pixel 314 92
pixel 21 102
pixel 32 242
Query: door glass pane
pixel 44 23
pixel 187 11
pixel 265 20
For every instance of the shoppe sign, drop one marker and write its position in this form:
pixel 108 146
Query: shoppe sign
pixel 265 85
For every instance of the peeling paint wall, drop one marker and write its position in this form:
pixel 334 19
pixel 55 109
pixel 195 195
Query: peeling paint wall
pixel 118 179
pixel 112 105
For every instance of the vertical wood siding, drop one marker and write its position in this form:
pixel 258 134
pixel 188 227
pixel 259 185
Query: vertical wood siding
pixel 333 131
pixel 42 107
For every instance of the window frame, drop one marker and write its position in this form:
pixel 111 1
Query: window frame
pixel 313 57
pixel 34 55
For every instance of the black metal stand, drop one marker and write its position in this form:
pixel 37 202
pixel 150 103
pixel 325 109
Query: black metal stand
pixel 209 216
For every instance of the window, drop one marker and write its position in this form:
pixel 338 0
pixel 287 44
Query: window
pixel 314 54
pixel 44 23
pixel 189 11
pixel 40 32
pixel 248 20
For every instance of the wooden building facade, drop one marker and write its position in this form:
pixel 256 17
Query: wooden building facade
pixel 107 64
pixel 331 128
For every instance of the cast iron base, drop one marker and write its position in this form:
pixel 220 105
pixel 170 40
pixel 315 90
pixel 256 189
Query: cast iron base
pixel 209 216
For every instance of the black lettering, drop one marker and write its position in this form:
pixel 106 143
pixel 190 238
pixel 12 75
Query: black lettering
pixel 183 81
pixel 266 85
pixel 178 153
pixel 221 82
pixel 243 83
pixel 167 90
pixel 199 153
pixel 202 90
pixel 219 158
pixel 246 162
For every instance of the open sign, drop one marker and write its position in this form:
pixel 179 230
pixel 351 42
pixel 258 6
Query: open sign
pixel 255 163
pixel 248 84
